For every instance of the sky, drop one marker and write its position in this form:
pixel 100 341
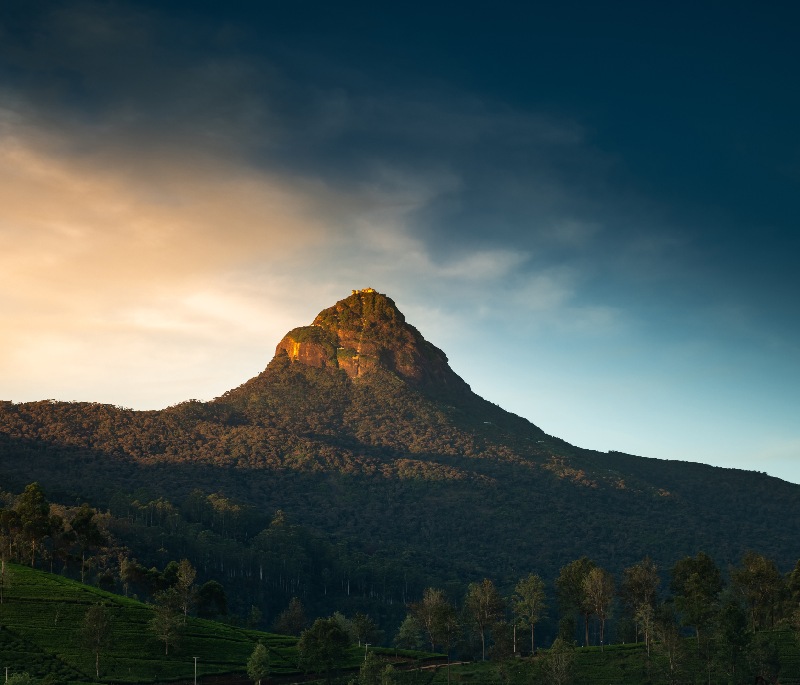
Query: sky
pixel 590 207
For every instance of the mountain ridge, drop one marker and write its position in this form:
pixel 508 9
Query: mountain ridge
pixel 399 459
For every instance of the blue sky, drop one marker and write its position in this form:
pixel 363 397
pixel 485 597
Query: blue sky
pixel 592 208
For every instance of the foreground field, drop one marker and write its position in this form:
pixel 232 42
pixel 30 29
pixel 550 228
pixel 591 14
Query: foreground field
pixel 42 616
pixel 41 619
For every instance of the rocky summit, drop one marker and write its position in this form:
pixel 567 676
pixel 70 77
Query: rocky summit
pixel 366 332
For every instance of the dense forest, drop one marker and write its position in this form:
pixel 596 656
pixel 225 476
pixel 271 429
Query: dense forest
pixel 694 617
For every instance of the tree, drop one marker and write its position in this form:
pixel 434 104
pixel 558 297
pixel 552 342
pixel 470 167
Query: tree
pixel 322 647
pixel 254 616
pixel 598 590
pixel 167 624
pixel 292 620
pixel 10 529
pixel 371 670
pixel 364 628
pixel 448 628
pixel 558 662
pixel 696 584
pixel 374 672
pixel 5 579
pixel 127 570
pixel 87 533
pixel 430 613
pixel 211 600
pixel 528 603
pixel 645 619
pixel 761 585
pixel 34 513
pixel 569 589
pixel 409 634
pixel 732 638
pixel 185 587
pixel 792 583
pixel 638 591
pixel 258 666
pixel 345 624
pixel 669 644
pixel 96 632
pixel 503 641
pixel 484 607
pixel 763 658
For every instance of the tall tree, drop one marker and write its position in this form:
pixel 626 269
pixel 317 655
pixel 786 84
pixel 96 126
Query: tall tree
pixel 34 513
pixel 409 634
pixel 370 671
pixel 570 591
pixel 696 584
pixel 558 662
pixel 258 666
pixel 322 647
pixel 638 590
pixel 484 607
pixel 645 619
pixel 762 586
pixel 96 632
pixel 528 603
pixel 10 529
pixel 429 614
pixel 5 579
pixel 166 623
pixel 598 590
pixel 292 620
pixel 364 628
pixel 792 583
pixel 670 644
pixel 211 600
pixel 87 533
pixel 731 638
pixel 185 587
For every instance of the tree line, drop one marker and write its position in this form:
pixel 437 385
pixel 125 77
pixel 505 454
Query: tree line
pixel 724 609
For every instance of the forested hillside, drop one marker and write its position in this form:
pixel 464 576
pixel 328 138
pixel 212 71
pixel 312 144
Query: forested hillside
pixel 390 476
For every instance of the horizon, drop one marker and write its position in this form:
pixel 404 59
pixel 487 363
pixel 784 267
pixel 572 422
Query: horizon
pixel 591 211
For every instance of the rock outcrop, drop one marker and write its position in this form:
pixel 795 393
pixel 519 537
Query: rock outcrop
pixel 366 332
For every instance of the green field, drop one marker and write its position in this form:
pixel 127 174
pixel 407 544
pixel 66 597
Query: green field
pixel 40 633
pixel 616 665
pixel 42 615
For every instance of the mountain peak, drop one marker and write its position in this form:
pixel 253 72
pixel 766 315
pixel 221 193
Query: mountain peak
pixel 364 333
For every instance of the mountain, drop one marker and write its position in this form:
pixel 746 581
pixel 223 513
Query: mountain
pixel 369 444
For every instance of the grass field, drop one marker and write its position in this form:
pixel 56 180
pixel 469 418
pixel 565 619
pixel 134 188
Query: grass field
pixel 616 665
pixel 42 614
pixel 41 621
pixel 40 633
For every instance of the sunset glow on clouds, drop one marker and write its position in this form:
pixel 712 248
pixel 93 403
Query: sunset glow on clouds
pixel 610 255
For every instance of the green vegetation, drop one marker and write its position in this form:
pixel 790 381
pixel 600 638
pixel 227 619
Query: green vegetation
pixel 44 629
pixel 55 628
pixel 306 492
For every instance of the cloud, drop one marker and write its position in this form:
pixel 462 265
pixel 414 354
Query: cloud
pixel 164 195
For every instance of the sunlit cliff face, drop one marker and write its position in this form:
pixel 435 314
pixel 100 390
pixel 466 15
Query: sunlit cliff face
pixel 365 332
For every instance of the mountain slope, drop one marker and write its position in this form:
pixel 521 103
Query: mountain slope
pixel 358 429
